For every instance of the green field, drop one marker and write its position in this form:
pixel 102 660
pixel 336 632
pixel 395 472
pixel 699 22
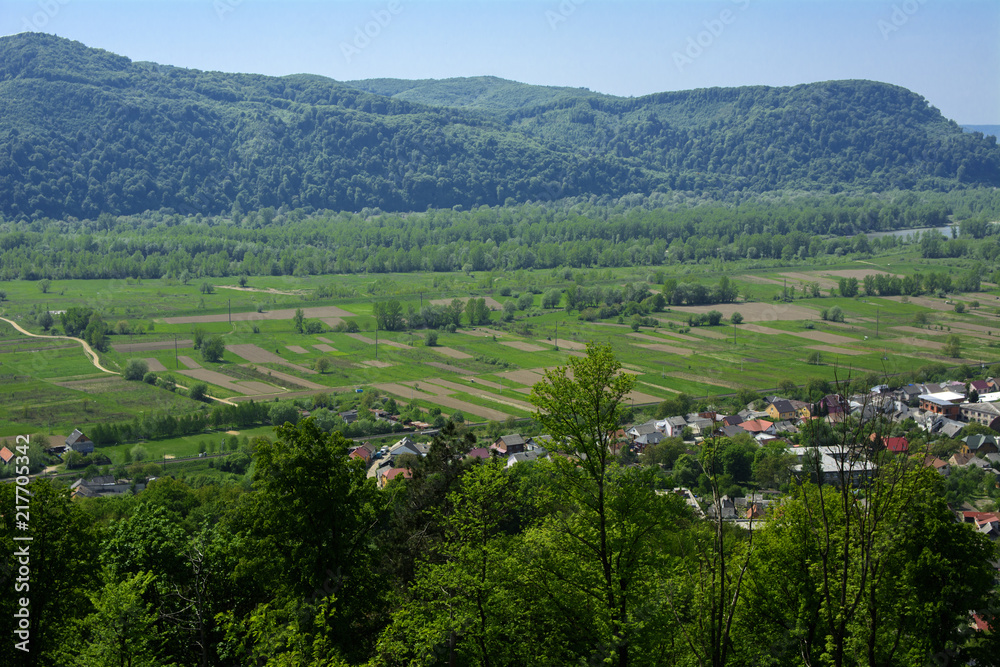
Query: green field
pixel 50 386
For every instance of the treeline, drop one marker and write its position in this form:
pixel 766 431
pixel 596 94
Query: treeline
pixel 83 131
pixel 270 242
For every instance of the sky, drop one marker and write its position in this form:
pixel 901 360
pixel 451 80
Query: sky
pixel 945 50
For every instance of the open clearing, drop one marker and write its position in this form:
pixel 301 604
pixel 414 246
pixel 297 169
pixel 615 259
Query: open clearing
pixel 155 365
pixel 132 348
pixel 529 378
pixel 707 332
pixel 451 352
pixel 756 311
pixel 974 327
pixel 925 301
pixel 297 349
pixel 524 347
pixel 705 379
pixel 760 280
pixel 446 367
pixel 491 303
pixel 836 350
pixel 669 349
pixel 570 344
pixel 257 355
pixel 269 290
pixel 858 273
pixel 188 362
pixel 823 337
pixel 228 383
pixel 377 364
pixel 291 379
pixel 323 339
pixel 371 341
pixel 454 386
pixel 825 283
pixel 332 322
pixel 323 347
pixel 254 316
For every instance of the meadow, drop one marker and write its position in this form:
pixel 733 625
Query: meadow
pixel 486 371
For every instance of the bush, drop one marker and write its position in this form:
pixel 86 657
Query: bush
pixel 314 327
pixel 198 391
pixel 135 370
pixel 149 378
pixel 960 307
pixel 213 348
pixel 431 338
pixel 322 365
pixel 736 318
pixel 139 453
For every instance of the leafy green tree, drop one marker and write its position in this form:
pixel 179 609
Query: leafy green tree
pixel 213 348
pixel 952 347
pixel 323 364
pixel 207 288
pixel 45 321
pixel 388 314
pixel 198 391
pixel 603 539
pixel 283 413
pixel 736 318
pixel 135 370
pixel 123 629
pixel 431 338
pixel 75 320
pixel 299 320
pixel 44 285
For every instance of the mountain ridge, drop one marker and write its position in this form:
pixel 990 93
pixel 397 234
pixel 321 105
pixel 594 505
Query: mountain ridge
pixel 85 131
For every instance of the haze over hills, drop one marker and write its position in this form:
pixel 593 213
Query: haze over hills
pixel 84 131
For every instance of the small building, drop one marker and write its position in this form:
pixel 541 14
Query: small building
pixel 509 444
pixel 944 403
pixel 6 456
pixel 987 414
pixel 78 442
pixel 781 410
pixel 980 444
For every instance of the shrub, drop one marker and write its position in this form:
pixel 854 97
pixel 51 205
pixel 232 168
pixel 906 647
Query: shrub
pixel 135 370
pixel 149 378
pixel 213 348
pixel 198 391
pixel 736 318
pixel 431 338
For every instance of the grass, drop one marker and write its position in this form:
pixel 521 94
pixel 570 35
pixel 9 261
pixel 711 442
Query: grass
pixel 50 386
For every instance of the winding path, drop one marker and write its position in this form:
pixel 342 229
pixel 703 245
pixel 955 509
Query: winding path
pixel 86 346
pixel 93 355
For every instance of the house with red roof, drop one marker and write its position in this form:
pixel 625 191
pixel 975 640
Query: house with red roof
pixel 6 455
pixel 394 473
pixel 758 426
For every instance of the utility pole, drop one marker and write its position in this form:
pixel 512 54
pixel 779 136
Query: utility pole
pixel 876 321
pixel 376 340
pixel 230 312
pixel 177 364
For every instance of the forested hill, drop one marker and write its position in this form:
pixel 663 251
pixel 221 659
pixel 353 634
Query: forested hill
pixel 83 131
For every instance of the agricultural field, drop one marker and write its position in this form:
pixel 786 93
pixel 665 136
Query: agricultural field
pixel 50 385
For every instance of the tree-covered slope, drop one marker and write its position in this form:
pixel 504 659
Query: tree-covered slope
pixel 83 131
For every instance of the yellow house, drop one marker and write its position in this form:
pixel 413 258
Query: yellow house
pixel 781 410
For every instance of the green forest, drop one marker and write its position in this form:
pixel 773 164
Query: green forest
pixel 85 132
pixel 579 559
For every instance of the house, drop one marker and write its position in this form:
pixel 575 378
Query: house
pixel 803 410
pixel 979 386
pixel 944 403
pixel 896 445
pixel 363 452
pixel 785 427
pixel 832 404
pixel 980 444
pixel 987 414
pixel 509 444
pixel 649 439
pixel 349 416
pixel 939 465
pixel 642 429
pixel 404 446
pixel 987 523
pixel 675 427
pixel 700 425
pixel 103 485
pixel 527 457
pixel 6 455
pixel 757 426
pixel 393 473
pixel 781 410
pixel 726 508
pixel 732 420
pixel 78 442
pixel 479 453
pixel 731 431
pixel 910 392
pixel 961 459
pixel 755 511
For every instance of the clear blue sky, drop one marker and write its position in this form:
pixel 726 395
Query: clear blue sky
pixel 946 50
